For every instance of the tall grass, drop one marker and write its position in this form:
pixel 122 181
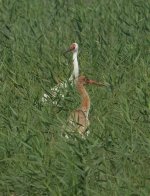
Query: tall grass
pixel 113 37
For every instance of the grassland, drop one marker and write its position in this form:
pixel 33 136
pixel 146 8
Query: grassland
pixel 114 40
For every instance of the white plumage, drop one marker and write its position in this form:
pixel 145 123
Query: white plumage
pixel 58 92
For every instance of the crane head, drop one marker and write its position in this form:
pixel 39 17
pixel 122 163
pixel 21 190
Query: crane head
pixel 73 48
pixel 84 80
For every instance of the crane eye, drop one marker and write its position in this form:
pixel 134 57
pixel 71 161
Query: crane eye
pixel 87 80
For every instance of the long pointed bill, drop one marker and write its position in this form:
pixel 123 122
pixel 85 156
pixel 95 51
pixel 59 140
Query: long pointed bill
pixel 71 48
pixel 68 50
pixel 97 83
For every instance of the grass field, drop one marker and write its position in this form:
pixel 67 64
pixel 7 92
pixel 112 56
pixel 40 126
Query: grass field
pixel 114 46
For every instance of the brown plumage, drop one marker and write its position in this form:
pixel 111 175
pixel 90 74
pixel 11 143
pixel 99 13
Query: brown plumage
pixel 78 119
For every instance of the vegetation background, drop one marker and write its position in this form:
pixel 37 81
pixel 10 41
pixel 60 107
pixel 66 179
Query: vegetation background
pixel 114 40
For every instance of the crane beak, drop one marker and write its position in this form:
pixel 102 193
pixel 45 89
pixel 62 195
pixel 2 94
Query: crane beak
pixel 68 50
pixel 71 48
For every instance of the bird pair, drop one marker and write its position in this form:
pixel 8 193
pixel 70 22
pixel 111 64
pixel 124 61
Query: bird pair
pixel 79 118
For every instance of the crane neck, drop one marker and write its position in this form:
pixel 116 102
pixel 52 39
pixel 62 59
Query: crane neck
pixel 85 99
pixel 75 72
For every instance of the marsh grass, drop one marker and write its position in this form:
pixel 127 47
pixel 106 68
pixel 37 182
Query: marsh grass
pixel 113 37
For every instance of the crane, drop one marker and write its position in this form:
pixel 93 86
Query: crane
pixel 79 118
pixel 61 88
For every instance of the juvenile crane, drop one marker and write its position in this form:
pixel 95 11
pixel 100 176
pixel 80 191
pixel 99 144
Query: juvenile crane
pixel 78 119
pixel 61 88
